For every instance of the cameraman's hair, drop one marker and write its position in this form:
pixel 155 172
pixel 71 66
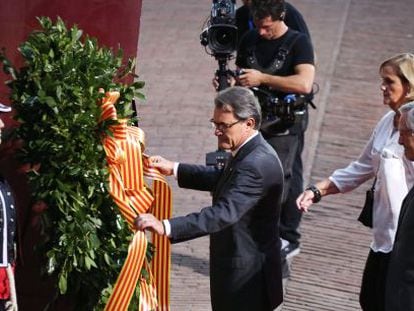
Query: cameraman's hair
pixel 264 8
pixel 241 102
pixel 408 111
pixel 403 64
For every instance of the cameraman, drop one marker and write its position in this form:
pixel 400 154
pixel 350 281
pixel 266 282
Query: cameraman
pixel 257 57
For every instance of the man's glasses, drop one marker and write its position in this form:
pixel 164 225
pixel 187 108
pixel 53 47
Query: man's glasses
pixel 222 126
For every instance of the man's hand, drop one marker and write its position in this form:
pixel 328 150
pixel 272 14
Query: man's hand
pixel 165 166
pixel 148 221
pixel 250 78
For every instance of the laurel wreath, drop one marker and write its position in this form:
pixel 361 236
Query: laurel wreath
pixel 54 95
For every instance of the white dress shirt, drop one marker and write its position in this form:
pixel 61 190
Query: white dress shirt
pixel 383 157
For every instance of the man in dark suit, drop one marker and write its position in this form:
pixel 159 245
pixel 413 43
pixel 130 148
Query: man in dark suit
pixel 399 294
pixel 245 268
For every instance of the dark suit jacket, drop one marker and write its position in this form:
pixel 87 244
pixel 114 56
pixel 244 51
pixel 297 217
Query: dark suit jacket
pixel 399 295
pixel 245 269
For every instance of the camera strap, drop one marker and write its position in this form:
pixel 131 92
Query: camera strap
pixel 280 57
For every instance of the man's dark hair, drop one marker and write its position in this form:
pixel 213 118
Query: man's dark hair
pixel 241 102
pixel 264 8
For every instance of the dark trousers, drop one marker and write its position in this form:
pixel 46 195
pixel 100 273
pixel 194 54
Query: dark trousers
pixel 371 297
pixel 289 149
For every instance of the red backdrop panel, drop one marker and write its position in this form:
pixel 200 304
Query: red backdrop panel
pixel 114 22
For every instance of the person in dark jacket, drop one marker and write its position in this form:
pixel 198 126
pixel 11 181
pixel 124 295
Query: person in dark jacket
pixel 242 222
pixel 399 288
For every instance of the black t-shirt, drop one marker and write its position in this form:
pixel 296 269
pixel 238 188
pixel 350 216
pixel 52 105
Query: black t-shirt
pixel 266 51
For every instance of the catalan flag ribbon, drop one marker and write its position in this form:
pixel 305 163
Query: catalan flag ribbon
pixel 127 167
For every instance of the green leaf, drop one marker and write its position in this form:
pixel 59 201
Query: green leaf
pixel 63 283
pixel 107 259
pixel 89 263
pixel 50 101
pixel 140 96
pixel 139 84
pixel 76 34
pixel 59 92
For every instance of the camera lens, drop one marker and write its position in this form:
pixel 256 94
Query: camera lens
pixel 223 38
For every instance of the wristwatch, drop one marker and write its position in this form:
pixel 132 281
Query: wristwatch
pixel 317 196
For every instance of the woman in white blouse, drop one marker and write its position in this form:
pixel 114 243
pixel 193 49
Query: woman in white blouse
pixel 384 159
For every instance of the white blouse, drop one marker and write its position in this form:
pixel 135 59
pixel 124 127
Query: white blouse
pixel 384 157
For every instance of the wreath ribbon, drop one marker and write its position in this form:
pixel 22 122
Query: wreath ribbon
pixel 127 167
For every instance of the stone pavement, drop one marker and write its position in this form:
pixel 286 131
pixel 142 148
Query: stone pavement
pixel 351 38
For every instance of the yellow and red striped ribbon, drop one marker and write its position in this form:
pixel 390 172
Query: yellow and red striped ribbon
pixel 161 262
pixel 127 167
pixel 160 265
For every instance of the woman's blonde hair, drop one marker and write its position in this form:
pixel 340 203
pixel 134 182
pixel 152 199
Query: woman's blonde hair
pixel 403 65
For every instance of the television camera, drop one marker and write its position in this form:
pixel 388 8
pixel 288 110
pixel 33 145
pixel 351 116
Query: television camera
pixel 220 37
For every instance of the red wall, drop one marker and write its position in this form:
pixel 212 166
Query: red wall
pixel 116 24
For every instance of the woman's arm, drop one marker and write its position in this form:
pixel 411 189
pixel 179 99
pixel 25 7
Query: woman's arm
pixel 314 193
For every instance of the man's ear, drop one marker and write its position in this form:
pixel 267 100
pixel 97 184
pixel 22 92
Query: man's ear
pixel 251 123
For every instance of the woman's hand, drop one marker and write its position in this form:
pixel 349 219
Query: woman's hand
pixel 314 193
pixel 305 200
